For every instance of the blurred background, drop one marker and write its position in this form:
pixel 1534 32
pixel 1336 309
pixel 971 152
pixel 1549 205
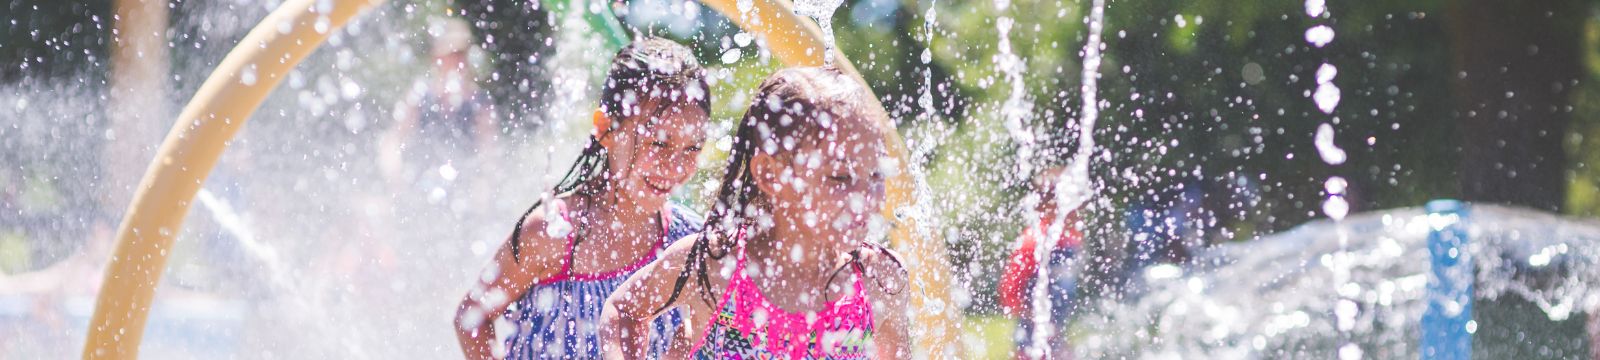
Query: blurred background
pixel 331 229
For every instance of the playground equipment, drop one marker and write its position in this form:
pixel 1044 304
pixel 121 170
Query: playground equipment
pixel 226 100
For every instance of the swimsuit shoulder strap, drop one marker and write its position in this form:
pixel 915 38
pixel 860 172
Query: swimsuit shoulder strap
pixel 861 274
pixel 738 278
pixel 860 269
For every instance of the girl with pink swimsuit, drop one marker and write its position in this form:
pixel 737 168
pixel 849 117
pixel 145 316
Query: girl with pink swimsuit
pixel 783 269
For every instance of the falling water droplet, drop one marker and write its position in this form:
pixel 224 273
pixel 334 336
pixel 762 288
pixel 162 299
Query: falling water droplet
pixel 1315 8
pixel 1335 185
pixel 1330 152
pixel 821 11
pixel 557 227
pixel 248 75
pixel 1326 73
pixel 731 56
pixel 1349 352
pixel 322 25
pixel 1336 207
pixel 1319 35
pixel 285 27
pixel 1326 97
pixel 448 172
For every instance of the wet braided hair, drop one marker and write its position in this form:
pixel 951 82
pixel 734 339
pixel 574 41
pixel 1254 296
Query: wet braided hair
pixel 651 71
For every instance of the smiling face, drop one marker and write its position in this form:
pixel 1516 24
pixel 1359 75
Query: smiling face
pixel 831 186
pixel 651 154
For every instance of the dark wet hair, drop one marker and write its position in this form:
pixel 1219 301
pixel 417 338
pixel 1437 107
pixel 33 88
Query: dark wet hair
pixel 794 106
pixel 651 71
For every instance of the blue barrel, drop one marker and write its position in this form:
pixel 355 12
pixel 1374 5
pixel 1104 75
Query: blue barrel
pixel 1447 325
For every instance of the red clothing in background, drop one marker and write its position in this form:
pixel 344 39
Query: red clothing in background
pixel 1023 266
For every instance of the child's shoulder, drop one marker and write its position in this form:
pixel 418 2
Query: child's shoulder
pixel 551 211
pixel 544 227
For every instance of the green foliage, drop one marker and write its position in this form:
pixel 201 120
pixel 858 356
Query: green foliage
pixel 54 38
pixel 1583 140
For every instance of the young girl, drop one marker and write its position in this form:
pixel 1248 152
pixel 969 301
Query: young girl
pixel 608 215
pixel 782 270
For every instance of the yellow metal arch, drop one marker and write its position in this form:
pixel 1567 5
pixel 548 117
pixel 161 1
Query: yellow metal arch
pixel 204 128
pixel 262 59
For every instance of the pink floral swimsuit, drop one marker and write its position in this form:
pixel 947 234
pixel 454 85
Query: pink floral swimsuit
pixel 750 327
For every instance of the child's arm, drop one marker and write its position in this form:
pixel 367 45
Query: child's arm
pixel 625 318
pixel 891 304
pixel 504 280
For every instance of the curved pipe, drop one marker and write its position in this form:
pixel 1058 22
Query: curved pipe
pixel 217 112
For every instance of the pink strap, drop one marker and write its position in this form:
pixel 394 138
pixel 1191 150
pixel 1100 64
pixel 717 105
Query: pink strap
pixel 727 293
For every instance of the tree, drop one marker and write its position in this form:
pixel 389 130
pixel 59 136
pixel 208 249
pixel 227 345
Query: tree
pixel 516 35
pixel 1516 65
